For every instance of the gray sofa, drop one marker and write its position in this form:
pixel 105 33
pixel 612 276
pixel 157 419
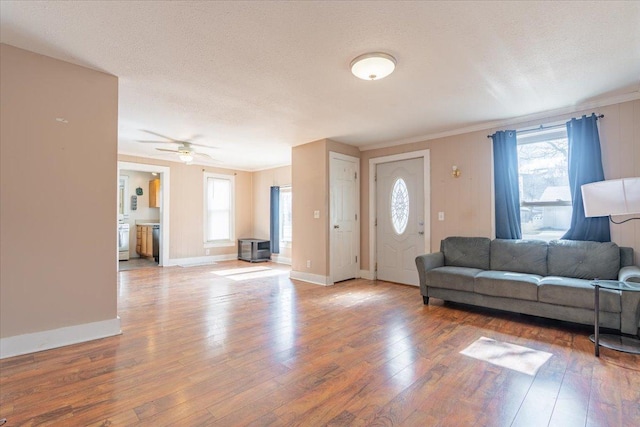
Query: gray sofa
pixel 534 277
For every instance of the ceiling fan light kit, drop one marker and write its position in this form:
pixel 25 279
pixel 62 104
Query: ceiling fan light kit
pixel 185 157
pixel 373 66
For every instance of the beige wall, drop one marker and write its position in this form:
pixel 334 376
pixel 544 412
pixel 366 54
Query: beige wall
pixel 262 182
pixel 186 208
pixel 467 201
pixel 58 184
pixel 310 177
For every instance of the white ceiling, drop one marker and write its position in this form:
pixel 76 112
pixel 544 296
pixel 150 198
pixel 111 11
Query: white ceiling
pixel 254 79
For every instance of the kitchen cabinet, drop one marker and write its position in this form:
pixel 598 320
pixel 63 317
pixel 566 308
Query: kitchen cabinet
pixel 144 240
pixel 154 193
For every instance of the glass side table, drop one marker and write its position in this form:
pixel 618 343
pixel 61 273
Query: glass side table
pixel 614 342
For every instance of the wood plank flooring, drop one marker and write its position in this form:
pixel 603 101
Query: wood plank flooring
pixel 238 344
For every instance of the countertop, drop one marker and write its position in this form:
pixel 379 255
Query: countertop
pixel 147 223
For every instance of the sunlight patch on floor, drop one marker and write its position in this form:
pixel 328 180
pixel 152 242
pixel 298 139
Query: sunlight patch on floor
pixel 511 356
pixel 240 270
pixel 246 273
pixel 256 275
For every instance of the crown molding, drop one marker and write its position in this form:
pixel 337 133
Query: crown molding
pixel 632 96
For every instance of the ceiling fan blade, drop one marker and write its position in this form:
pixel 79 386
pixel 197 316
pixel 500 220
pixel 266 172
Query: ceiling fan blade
pixel 161 136
pixel 194 137
pixel 169 151
pixel 169 140
pixel 144 141
pixel 201 145
pixel 208 157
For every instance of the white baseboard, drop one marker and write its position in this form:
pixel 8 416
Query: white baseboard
pixel 280 259
pixel 200 260
pixel 367 274
pixel 316 279
pixel 54 338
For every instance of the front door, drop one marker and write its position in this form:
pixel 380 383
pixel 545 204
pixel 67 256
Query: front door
pixel 400 219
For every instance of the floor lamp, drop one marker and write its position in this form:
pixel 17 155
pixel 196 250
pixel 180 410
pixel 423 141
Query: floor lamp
pixel 607 198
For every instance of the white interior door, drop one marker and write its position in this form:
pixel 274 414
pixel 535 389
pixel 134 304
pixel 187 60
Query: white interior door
pixel 344 231
pixel 400 230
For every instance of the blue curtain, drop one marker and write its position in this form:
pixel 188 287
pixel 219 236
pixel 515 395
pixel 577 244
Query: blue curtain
pixel 585 166
pixel 274 227
pixel 507 197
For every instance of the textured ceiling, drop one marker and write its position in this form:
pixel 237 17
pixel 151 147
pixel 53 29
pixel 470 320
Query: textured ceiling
pixel 254 79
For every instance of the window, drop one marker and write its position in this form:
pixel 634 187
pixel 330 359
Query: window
pixel 219 210
pixel 545 198
pixel 399 206
pixel 285 216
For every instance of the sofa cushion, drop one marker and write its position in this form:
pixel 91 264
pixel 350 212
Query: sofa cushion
pixel 456 278
pixel 583 260
pixel 521 256
pixel 507 284
pixel 576 293
pixel 470 252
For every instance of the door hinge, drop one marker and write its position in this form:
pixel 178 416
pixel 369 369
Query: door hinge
pixel 356 258
pixel 375 224
pixel 375 268
pixel 356 217
pixel 375 178
pixel 355 175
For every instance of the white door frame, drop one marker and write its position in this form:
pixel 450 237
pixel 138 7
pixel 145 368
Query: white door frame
pixel 164 205
pixel 372 201
pixel 356 228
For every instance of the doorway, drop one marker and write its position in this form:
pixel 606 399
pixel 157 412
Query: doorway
pixel 162 230
pixel 399 215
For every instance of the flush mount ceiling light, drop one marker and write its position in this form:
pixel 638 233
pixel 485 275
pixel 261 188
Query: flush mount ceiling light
pixel 373 66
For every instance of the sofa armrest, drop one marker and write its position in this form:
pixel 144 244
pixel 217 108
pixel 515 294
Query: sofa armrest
pixel 629 274
pixel 425 263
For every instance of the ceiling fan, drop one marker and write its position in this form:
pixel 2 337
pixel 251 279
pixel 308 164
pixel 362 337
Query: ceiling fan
pixel 185 150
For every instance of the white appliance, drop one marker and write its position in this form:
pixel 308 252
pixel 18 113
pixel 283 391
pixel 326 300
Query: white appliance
pixel 123 242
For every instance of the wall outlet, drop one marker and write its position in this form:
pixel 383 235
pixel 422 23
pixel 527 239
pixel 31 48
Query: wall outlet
pixel 440 216
pixel 207 251
pixel 316 214
pixel 308 263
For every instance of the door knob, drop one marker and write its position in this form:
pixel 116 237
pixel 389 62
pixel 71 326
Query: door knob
pixel 336 226
pixel 421 232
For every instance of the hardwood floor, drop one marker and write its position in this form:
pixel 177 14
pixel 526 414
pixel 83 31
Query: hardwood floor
pixel 136 263
pixel 237 344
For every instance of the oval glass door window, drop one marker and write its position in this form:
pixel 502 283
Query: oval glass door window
pixel 399 206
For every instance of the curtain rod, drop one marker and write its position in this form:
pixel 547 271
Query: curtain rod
pixel 541 127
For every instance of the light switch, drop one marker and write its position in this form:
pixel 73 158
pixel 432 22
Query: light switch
pixel 316 214
pixel 440 216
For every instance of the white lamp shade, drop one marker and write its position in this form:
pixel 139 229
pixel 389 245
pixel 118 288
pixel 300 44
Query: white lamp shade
pixel 612 197
pixel 373 66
